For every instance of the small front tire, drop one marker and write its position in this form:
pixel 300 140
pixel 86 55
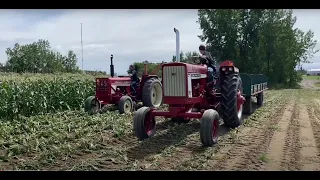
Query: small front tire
pixel 209 127
pixel 125 105
pixel 92 105
pixel 144 124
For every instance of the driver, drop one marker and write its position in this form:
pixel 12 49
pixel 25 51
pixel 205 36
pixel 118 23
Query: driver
pixel 134 78
pixel 206 58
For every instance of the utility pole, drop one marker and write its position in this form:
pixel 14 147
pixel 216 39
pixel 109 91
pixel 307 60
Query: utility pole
pixel 81 47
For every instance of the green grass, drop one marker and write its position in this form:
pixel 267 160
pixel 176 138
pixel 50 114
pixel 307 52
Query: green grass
pixel 311 77
pixel 317 84
pixel 263 157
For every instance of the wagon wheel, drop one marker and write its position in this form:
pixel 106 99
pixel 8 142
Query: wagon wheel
pixel 209 127
pixel 260 99
pixel 125 105
pixel 92 105
pixel 144 124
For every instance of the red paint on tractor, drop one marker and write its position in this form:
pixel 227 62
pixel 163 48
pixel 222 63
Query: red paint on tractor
pixel 226 63
pixel 240 100
pixel 110 90
pixel 215 128
pixel 149 123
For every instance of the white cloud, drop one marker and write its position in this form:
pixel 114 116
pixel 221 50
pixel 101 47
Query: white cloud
pixel 130 35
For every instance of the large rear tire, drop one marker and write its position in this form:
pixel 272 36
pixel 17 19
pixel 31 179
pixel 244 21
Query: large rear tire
pixel 92 105
pixel 231 87
pixel 152 93
pixel 125 105
pixel 144 125
pixel 209 126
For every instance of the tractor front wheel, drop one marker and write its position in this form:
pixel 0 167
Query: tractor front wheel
pixel 152 93
pixel 144 124
pixel 92 105
pixel 232 100
pixel 125 105
pixel 209 126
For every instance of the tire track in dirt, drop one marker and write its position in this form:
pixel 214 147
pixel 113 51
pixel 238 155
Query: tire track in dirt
pixel 245 154
pixel 291 151
pixel 255 159
pixel 309 152
pixel 203 158
pixel 277 144
pixel 314 114
pixel 309 84
pixel 189 148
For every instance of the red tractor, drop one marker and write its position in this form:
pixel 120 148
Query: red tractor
pixel 189 96
pixel 117 91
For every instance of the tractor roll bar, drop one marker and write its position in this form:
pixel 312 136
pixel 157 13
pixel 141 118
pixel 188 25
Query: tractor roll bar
pixel 177 44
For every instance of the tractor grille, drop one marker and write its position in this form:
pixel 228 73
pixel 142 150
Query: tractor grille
pixel 174 81
pixel 101 85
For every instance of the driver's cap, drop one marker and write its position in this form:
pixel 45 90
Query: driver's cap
pixel 202 47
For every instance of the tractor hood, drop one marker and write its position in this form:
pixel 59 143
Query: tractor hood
pixel 120 80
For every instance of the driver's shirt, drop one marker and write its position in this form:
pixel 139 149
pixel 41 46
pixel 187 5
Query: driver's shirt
pixel 134 76
pixel 209 58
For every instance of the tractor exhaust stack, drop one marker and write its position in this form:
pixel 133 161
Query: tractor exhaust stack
pixel 177 44
pixel 111 66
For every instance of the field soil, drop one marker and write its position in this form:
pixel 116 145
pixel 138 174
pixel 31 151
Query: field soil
pixel 284 134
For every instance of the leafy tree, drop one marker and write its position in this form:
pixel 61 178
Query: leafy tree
pixel 38 57
pixel 258 41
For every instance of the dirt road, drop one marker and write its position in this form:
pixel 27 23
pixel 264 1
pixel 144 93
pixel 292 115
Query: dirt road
pixel 309 84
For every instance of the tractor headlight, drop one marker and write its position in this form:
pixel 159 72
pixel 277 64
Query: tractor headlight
pixel 230 69
pixel 223 69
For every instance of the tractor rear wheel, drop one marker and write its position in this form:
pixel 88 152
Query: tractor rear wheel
pixel 209 126
pixel 231 105
pixel 144 124
pixel 260 99
pixel 152 93
pixel 92 105
pixel 125 105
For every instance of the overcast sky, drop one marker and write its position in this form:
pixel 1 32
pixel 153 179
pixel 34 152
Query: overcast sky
pixel 130 35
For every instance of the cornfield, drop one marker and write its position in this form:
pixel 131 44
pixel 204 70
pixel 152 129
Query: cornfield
pixel 28 95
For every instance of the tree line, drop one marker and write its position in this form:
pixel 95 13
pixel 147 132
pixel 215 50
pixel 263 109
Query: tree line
pixel 38 57
pixel 260 41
